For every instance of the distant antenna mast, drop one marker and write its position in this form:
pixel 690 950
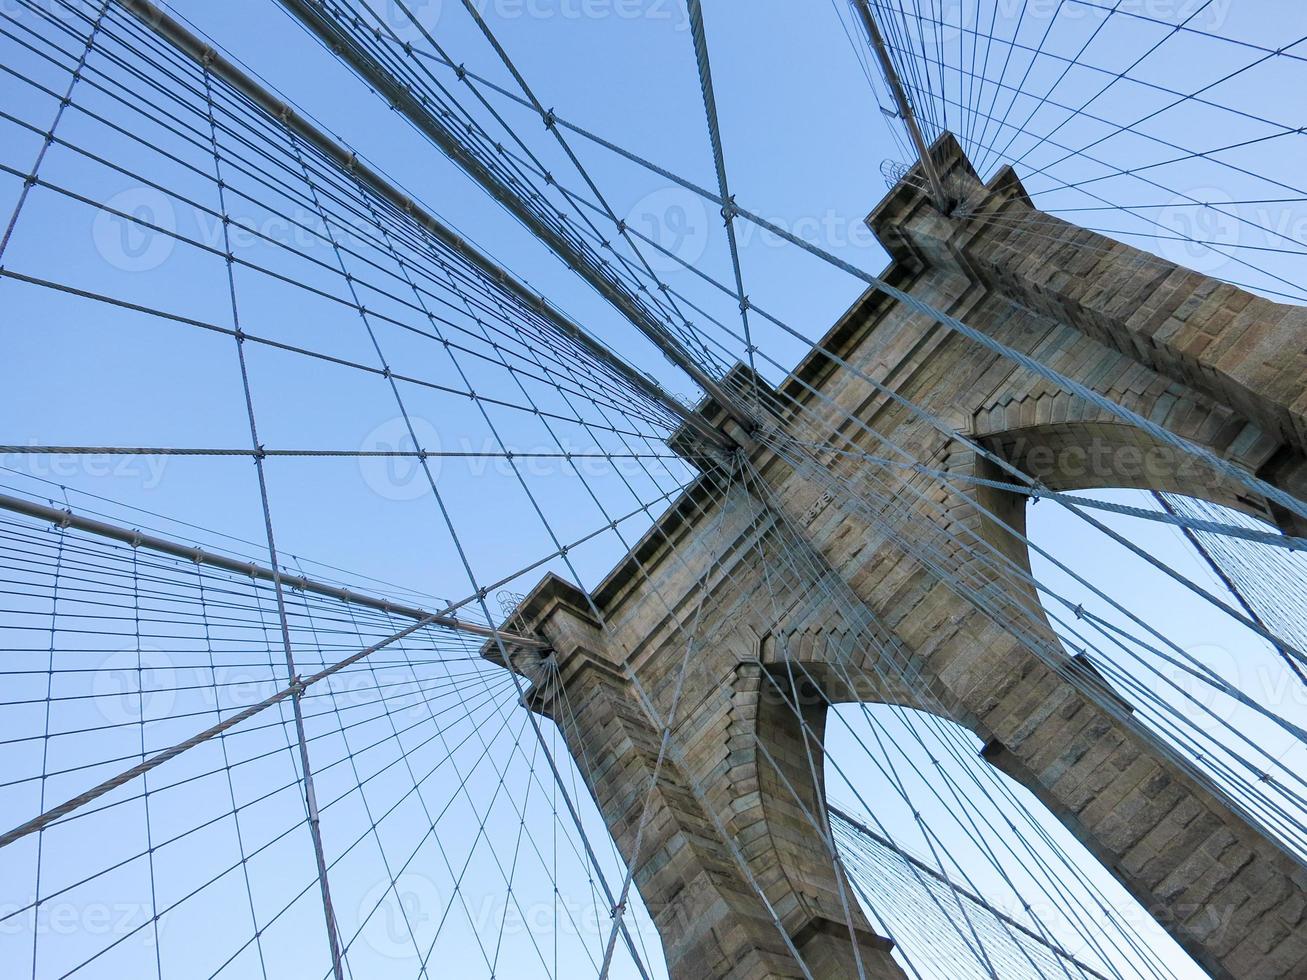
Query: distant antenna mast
pixel 933 181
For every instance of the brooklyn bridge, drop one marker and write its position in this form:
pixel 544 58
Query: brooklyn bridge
pixel 473 505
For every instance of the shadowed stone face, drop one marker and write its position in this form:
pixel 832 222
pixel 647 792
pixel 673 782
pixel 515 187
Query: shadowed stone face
pixel 781 594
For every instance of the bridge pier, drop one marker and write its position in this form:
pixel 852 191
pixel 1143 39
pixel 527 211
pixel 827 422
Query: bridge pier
pixel 741 765
pixel 737 798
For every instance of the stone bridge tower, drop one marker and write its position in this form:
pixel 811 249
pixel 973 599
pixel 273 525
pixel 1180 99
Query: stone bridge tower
pixel 1211 362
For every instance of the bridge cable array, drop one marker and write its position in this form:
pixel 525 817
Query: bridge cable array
pixel 319 724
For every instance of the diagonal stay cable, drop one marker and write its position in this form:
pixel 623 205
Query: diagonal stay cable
pixel 956 325
pixel 302 684
pixel 29 179
pixel 306 772
pixel 700 39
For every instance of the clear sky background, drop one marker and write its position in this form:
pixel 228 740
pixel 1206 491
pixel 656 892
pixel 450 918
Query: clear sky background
pixel 805 141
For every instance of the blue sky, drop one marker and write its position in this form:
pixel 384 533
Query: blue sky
pixel 805 141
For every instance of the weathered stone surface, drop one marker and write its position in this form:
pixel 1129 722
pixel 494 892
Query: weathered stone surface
pixel 1208 361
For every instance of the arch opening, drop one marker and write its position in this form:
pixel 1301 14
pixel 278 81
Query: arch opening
pixel 1229 701
pixel 966 870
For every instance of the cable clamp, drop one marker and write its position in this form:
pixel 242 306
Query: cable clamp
pixel 1079 611
pixel 550 119
pixel 461 73
pixel 296 686
pixel 729 210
